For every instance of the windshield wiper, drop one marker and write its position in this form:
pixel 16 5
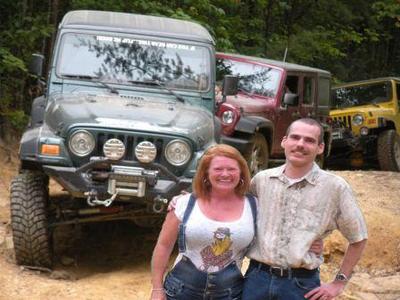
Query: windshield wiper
pixel 162 85
pixel 93 79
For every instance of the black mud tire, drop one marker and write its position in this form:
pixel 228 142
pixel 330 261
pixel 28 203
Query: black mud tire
pixel 389 151
pixel 29 220
pixel 257 156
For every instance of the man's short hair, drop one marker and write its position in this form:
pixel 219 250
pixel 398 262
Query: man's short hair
pixel 311 122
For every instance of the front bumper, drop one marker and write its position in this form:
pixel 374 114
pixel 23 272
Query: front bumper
pixel 132 181
pixel 345 146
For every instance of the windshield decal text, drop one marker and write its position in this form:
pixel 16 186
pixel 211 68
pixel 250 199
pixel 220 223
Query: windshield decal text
pixel 149 43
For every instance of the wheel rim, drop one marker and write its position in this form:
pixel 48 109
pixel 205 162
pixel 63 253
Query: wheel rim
pixel 396 152
pixel 255 161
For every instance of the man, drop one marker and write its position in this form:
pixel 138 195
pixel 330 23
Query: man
pixel 299 203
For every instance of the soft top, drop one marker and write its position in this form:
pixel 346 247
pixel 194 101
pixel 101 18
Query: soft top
pixel 271 62
pixel 368 81
pixel 134 23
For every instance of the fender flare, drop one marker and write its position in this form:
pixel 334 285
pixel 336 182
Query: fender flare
pixel 37 111
pixel 251 124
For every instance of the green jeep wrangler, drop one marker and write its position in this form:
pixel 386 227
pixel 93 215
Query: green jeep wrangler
pixel 127 113
pixel 366 123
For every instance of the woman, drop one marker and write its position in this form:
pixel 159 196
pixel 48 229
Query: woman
pixel 217 233
pixel 216 225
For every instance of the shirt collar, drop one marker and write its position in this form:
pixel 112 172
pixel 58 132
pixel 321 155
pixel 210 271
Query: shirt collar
pixel 312 176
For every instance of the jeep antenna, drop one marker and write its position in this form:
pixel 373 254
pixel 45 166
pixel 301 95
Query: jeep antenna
pixel 284 55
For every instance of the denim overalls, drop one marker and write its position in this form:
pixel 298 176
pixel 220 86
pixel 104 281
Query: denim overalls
pixel 186 282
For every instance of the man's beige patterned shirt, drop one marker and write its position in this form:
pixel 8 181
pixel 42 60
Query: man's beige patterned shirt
pixel 291 217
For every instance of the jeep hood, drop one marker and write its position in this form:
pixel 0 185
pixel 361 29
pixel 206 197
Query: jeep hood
pixel 371 111
pixel 250 104
pixel 149 114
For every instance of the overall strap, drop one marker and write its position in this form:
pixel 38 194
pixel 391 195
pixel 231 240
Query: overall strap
pixel 253 206
pixel 182 225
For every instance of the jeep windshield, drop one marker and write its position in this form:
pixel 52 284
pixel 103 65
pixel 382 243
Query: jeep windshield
pixel 375 93
pixel 123 60
pixel 253 78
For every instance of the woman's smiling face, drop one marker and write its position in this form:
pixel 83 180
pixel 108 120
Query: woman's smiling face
pixel 224 174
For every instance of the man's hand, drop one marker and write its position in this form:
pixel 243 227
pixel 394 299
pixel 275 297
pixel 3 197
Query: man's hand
pixel 172 203
pixel 326 291
pixel 317 247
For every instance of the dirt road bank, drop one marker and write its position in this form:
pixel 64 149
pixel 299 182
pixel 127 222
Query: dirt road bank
pixel 112 261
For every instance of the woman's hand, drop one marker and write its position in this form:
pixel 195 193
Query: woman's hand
pixel 317 247
pixel 158 294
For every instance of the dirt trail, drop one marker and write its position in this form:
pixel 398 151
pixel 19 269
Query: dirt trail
pixel 112 260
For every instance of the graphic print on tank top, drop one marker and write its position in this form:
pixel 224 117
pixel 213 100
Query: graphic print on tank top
pixel 219 254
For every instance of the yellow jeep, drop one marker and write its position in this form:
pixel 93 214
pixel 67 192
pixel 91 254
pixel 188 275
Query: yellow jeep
pixel 366 123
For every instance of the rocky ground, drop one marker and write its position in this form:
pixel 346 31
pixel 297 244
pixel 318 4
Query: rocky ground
pixel 112 261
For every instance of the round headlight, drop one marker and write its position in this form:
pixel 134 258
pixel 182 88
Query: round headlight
pixel 114 149
pixel 81 143
pixel 357 120
pixel 146 152
pixel 177 152
pixel 228 117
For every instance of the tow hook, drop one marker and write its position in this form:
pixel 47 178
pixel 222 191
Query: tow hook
pixel 159 204
pixel 92 199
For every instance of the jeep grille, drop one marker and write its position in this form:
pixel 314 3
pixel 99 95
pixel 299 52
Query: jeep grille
pixel 130 140
pixel 343 121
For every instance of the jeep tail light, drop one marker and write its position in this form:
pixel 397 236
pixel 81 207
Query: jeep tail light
pixel 229 116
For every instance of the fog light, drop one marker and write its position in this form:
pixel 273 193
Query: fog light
pixel 114 149
pixel 364 130
pixel 146 152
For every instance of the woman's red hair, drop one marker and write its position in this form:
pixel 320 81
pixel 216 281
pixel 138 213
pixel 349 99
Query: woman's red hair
pixel 201 184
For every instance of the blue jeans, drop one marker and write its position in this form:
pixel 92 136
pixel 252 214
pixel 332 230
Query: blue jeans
pixel 186 282
pixel 260 284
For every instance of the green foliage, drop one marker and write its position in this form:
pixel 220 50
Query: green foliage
pixel 9 63
pixel 353 39
pixel 17 118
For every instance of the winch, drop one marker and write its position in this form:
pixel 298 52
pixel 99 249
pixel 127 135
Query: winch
pixel 130 181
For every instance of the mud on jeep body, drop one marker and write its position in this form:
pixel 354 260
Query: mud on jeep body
pixel 271 95
pixel 128 111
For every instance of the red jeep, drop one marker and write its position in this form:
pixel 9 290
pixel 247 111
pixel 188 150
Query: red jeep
pixel 271 94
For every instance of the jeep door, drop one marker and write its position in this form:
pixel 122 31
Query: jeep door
pixel 307 96
pixel 304 87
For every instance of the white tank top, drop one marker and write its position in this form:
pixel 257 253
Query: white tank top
pixel 211 245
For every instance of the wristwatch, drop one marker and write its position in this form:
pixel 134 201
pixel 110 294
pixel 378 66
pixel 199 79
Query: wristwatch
pixel 341 277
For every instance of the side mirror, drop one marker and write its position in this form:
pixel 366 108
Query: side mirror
pixel 36 64
pixel 291 99
pixel 230 85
